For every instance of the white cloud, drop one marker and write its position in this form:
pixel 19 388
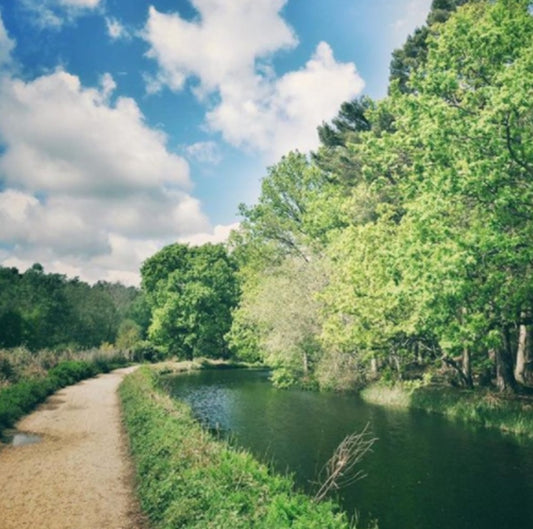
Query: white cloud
pixel 88 185
pixel 54 13
pixel 225 43
pixel 286 114
pixel 108 85
pixel 79 4
pixel 204 152
pixel 116 30
pixel 254 108
pixel 92 149
pixel 220 233
pixel 6 45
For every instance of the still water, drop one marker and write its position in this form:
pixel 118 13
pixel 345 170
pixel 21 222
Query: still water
pixel 424 472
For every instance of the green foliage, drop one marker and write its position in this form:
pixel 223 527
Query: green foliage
pixel 146 351
pixel 413 54
pixel 187 479
pixel 417 209
pixel 192 291
pixel 129 333
pixel 40 310
pixel 282 219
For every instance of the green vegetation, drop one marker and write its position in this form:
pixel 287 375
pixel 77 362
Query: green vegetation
pixel 48 311
pixel 191 292
pixel 402 247
pixel 56 331
pixel 21 397
pixel 188 479
pixel 477 407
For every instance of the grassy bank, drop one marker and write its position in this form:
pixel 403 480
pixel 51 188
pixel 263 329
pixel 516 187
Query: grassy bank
pixel 188 479
pixel 510 414
pixel 21 397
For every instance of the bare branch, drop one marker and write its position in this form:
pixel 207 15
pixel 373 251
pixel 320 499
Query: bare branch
pixel 341 469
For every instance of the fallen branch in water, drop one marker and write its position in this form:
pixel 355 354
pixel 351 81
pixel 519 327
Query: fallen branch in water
pixel 340 471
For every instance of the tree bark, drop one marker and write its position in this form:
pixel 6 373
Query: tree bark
pixel 305 363
pixel 521 354
pixel 524 358
pixel 467 368
pixel 374 366
pixel 504 365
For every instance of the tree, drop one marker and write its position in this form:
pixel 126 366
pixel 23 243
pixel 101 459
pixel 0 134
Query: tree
pixel 192 291
pixel 440 262
pixel 413 54
pixel 284 312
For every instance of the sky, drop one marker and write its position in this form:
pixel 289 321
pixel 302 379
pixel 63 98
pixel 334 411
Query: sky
pixel 129 125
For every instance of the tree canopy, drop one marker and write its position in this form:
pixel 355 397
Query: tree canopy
pixel 40 310
pixel 191 292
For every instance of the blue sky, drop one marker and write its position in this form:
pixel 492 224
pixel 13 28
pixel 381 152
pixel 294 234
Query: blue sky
pixel 127 125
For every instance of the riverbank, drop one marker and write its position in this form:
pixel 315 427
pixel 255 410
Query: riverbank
pixel 484 408
pixel 78 475
pixel 186 478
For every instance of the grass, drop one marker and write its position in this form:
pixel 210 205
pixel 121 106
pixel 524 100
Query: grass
pixel 481 407
pixel 21 397
pixel 187 479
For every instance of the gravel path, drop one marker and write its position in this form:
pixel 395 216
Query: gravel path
pixel 79 476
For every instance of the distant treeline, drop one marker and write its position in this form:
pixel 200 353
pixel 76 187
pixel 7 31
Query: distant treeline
pixel 40 310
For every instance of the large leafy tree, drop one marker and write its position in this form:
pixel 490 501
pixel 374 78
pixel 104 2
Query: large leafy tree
pixel 191 291
pixel 421 206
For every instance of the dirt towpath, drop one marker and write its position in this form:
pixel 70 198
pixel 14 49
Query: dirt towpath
pixel 79 476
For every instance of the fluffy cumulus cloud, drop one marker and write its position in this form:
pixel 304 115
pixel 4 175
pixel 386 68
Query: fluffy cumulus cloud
pixel 219 233
pixel 254 108
pixel 286 114
pixel 54 13
pixel 223 45
pixel 86 184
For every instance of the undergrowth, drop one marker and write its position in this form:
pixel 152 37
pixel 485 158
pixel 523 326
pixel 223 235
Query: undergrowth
pixel 188 479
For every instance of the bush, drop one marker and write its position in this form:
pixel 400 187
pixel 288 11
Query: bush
pixel 145 351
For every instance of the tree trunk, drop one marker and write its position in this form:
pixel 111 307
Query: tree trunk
pixel 396 361
pixel 504 365
pixel 305 362
pixel 467 368
pixel 418 354
pixel 374 366
pixel 524 358
pixel 521 354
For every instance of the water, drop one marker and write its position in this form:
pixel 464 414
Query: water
pixel 16 438
pixel 425 472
